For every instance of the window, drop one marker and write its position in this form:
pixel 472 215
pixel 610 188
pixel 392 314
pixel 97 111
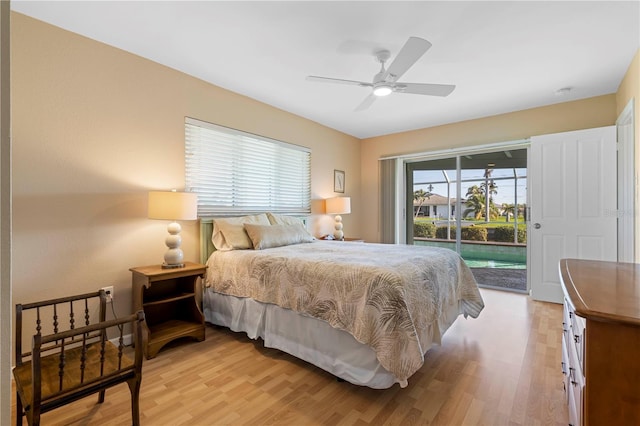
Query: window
pixel 234 172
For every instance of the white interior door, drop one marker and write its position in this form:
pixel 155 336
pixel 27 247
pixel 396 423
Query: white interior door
pixel 572 179
pixel 626 184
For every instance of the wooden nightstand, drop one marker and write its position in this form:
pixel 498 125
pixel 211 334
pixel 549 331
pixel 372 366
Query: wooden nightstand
pixel 167 297
pixel 352 240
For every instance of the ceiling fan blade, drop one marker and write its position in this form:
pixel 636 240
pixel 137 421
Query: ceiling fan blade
pixel 366 103
pixel 338 80
pixel 424 88
pixel 412 50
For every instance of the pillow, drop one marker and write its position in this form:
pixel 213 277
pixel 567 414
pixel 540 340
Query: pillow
pixel 276 235
pixel 280 219
pixel 229 234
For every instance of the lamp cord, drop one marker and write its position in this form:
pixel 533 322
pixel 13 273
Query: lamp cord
pixel 113 311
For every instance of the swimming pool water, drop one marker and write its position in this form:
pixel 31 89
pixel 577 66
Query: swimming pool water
pixel 486 263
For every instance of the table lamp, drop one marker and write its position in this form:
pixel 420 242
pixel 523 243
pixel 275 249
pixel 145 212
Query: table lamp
pixel 338 206
pixel 174 206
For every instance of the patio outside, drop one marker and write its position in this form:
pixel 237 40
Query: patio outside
pixel 493 233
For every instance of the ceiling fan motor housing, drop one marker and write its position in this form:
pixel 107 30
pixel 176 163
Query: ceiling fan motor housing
pixel 383 56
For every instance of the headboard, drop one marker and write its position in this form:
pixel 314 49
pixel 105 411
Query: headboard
pixel 206 245
pixel 206 229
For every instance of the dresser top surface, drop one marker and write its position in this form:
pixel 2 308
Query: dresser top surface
pixel 603 291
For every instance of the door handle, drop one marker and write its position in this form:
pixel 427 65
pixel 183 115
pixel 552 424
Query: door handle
pixel 537 225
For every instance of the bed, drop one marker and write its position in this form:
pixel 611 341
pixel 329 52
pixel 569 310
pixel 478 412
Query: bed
pixel 366 313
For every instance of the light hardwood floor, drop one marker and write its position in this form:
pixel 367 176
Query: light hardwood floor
pixel 500 369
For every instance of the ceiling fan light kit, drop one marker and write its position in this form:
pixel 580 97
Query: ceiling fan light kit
pixel 385 82
pixel 382 90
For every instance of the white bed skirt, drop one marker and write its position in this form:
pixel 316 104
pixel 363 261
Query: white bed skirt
pixel 310 339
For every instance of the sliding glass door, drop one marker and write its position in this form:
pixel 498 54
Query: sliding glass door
pixel 474 204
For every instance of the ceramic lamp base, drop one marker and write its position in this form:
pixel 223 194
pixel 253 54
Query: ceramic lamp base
pixel 338 234
pixel 176 266
pixel 173 258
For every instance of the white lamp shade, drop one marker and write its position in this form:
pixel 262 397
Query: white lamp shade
pixel 169 205
pixel 338 205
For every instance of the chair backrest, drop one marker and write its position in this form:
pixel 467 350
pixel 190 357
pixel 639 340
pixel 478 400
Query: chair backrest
pixel 84 361
pixel 70 356
pixel 55 316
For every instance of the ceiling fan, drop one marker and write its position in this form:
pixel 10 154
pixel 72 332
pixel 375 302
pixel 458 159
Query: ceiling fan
pixel 386 81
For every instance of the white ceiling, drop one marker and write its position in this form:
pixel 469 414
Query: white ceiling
pixel 503 56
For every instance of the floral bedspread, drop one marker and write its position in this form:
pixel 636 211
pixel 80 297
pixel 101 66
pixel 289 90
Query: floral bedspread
pixel 386 296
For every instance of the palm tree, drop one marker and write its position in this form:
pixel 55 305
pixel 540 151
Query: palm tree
pixel 477 204
pixel 509 209
pixel 493 189
pixel 522 209
pixel 490 188
pixel 420 196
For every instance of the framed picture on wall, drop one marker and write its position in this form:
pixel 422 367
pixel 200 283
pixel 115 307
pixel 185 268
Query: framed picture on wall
pixel 338 181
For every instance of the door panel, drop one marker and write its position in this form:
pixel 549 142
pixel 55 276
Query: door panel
pixel 552 248
pixel 573 204
pixel 553 184
pixel 590 178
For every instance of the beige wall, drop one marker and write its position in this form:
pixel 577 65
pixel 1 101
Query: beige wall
pixel 6 308
pixel 588 113
pixel 94 129
pixel 630 89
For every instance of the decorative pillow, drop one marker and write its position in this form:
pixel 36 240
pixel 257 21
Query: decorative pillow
pixel 276 235
pixel 229 234
pixel 280 219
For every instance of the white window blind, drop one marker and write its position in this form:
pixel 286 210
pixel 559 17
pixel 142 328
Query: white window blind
pixel 234 172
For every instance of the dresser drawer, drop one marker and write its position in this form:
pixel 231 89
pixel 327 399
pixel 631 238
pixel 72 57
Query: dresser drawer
pixel 578 325
pixel 565 369
pixel 573 327
pixel 574 420
pixel 566 321
pixel 576 383
pixel 565 357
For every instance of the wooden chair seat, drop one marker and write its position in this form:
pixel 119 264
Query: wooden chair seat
pixel 72 380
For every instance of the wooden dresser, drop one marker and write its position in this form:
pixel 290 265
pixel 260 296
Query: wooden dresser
pixel 601 341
